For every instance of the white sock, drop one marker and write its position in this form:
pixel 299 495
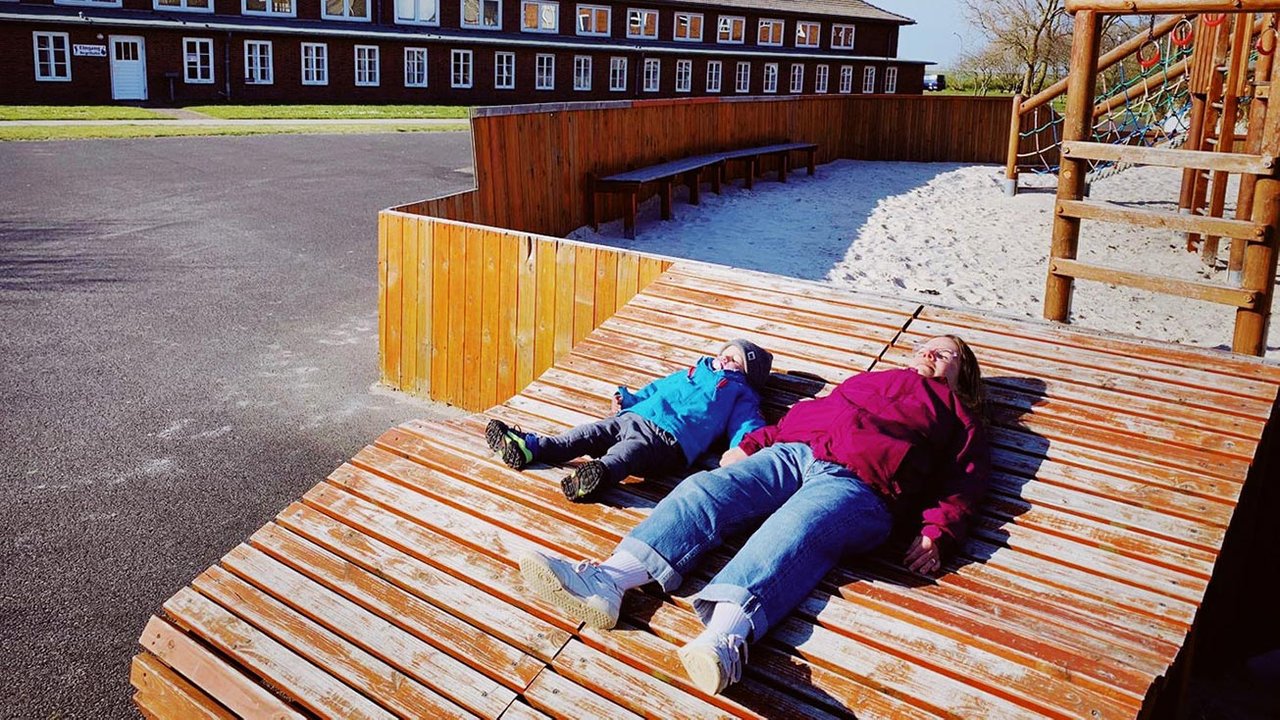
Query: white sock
pixel 727 618
pixel 626 570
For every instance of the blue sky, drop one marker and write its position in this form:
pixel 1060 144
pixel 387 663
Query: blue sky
pixel 940 33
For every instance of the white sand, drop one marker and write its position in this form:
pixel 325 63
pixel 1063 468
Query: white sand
pixel 944 233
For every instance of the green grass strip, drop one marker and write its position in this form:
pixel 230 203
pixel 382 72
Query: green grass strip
pixel 90 132
pixel 329 112
pixel 75 112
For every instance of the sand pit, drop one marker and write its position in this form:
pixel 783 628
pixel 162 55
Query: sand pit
pixel 944 233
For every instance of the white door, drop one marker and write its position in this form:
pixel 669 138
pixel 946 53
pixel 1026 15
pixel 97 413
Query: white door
pixel 128 68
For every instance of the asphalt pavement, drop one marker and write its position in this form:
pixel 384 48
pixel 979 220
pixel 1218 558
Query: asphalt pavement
pixel 188 342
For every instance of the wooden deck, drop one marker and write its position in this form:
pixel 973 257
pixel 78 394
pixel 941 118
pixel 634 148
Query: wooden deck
pixel 389 589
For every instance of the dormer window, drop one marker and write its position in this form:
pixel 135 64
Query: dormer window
pixel 539 16
pixel 486 14
pixel 642 23
pixel 688 27
pixel 769 32
pixel 808 34
pixel 842 37
pixel 730 29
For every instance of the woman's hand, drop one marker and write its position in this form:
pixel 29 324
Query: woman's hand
pixel 923 556
pixel 732 455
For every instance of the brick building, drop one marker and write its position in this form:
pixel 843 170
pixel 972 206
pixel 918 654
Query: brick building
pixel 472 52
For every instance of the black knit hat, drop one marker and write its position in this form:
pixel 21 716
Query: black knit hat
pixel 759 361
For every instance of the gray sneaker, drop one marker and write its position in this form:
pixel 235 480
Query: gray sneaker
pixel 582 590
pixel 714 665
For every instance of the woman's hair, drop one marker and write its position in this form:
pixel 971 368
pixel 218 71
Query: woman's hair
pixel 969 388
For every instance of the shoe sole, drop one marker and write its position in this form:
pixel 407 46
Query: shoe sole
pixel 494 432
pixel 512 455
pixel 546 585
pixel 703 669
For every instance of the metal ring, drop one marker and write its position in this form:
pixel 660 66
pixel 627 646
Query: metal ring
pixel 1213 19
pixel 1183 33
pixel 1150 61
pixel 1262 48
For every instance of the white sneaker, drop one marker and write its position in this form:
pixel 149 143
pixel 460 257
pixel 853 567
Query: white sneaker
pixel 582 590
pixel 714 665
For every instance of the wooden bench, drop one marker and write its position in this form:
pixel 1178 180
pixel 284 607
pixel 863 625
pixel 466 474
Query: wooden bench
pixel 389 589
pixel 690 172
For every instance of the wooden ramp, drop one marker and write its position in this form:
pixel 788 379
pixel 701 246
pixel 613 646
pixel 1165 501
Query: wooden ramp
pixel 389 589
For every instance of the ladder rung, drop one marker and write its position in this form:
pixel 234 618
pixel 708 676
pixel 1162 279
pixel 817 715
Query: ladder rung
pixel 1165 157
pixel 1197 224
pixel 1236 297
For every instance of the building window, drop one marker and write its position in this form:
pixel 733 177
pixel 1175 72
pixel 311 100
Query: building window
pixel 652 74
pixel 197 61
pixel 187 5
pixel 539 16
pixel 730 29
pixel 257 62
pixel 771 77
pixel 415 67
pixel 808 34
pixel 53 56
pixel 284 8
pixel 418 12
pixel 842 37
pixel 504 70
pixel 618 74
pixel 891 79
pixel 593 20
pixel 485 14
pixel 688 27
pixel 684 75
pixel 642 23
pixel 367 70
pixel 743 78
pixel 797 78
pixel 345 10
pixel 460 69
pixel 315 64
pixel 769 32
pixel 868 80
pixel 821 75
pixel 581 72
pixel 713 76
pixel 544 75
pixel 846 79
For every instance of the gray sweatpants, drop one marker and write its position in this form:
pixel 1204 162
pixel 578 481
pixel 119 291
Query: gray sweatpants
pixel 627 444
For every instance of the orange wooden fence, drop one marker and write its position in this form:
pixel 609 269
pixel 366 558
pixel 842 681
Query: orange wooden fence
pixel 470 315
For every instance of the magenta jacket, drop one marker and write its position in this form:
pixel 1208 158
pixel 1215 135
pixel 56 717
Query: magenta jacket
pixel 907 436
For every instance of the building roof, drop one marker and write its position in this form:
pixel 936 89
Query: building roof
pixel 853 9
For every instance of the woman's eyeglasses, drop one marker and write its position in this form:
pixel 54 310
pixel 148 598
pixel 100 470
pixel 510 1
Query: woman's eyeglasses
pixel 940 353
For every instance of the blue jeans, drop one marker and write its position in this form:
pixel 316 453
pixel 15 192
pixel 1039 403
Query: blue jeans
pixel 810 514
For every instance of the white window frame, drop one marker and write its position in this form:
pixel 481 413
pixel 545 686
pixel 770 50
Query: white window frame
pixel 591 11
pixel 688 18
pixel 94 3
pixel 641 13
pixel 181 6
pixel 725 25
pixel 715 75
pixel 652 75
pixel 504 70
pixel 869 79
pixel 461 68
pixel 582 73
pixel 891 79
pixel 412 57
pixel 259 77
pixel 742 77
pixel 346 15
pixel 821 79
pixel 846 79
pixel 480 24
pixel 770 23
pixel 544 71
pixel 52 50
pixel 684 76
pixel 368 69
pixel 847 43
pixel 617 74
pixel 268 12
pixel 771 78
pixel 540 7
pixel 802 27
pixel 797 78
pixel 319 63
pixel 416 19
pixel 203 50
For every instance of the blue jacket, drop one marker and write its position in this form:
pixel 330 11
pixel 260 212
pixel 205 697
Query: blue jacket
pixel 698 406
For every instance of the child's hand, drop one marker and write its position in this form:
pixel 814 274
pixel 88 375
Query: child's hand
pixel 616 403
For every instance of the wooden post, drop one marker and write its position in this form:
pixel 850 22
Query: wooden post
pixel 1015 135
pixel 1259 272
pixel 1071 177
pixel 1253 143
pixel 1242 33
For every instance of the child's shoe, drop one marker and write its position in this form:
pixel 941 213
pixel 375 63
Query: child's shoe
pixel 713 665
pixel 582 590
pixel 583 484
pixel 511 444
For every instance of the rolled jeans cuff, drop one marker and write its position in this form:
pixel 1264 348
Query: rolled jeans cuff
pixel 656 565
pixel 705 602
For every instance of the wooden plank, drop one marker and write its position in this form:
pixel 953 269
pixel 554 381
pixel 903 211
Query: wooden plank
pixel 527 322
pixel 490 320
pixel 520 711
pixel 566 273
pixel 1236 297
pixel 163 693
pixel 442 283
pixel 1122 7
pixel 507 329
pixel 458 289
pixel 628 278
pixel 384 336
pixel 395 301
pixel 410 345
pixel 584 291
pixel 213 675
pixel 1165 157
pixel 650 269
pixel 606 286
pixel 610 678
pixel 560 697
pixel 544 335
pixel 426 273
pixel 1199 224
pixel 474 322
pixel 308 685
